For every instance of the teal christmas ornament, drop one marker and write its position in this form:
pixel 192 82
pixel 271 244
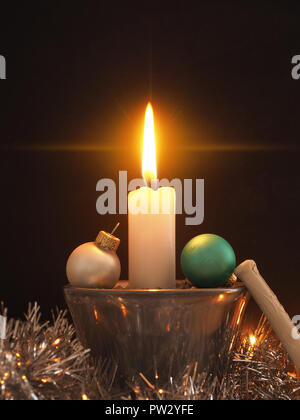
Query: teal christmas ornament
pixel 208 261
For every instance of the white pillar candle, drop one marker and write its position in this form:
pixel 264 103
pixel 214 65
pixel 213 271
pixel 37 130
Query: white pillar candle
pixel 151 233
pixel 151 224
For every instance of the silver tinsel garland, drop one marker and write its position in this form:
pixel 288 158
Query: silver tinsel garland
pixel 45 361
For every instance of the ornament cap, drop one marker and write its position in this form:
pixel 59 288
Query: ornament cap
pixel 107 241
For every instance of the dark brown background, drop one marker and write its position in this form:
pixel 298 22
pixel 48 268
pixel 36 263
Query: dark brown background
pixel 71 112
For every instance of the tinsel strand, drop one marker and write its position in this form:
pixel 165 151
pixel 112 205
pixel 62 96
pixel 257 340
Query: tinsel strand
pixel 45 361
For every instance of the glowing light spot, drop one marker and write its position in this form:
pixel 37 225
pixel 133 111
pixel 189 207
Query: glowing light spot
pixel 56 342
pixel 96 314
pixel 252 339
pixel 124 310
pixel 45 380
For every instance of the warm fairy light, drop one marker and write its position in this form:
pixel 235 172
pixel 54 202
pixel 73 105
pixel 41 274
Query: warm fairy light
pixel 56 342
pixel 96 314
pixel 149 157
pixel 124 310
pixel 84 397
pixel 252 339
pixel 160 391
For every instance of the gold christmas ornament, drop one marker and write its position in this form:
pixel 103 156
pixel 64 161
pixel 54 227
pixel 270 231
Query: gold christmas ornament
pixel 108 241
pixel 95 264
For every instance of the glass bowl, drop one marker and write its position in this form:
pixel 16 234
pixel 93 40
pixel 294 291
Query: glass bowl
pixel 159 332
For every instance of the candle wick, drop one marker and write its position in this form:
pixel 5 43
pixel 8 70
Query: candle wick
pixel 115 228
pixel 154 184
pixel 150 181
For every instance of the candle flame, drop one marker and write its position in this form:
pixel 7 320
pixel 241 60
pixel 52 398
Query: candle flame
pixel 149 158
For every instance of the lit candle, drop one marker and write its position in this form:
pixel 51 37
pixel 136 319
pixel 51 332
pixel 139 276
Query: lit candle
pixel 151 224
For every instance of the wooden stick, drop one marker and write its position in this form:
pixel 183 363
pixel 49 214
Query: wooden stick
pixel 280 321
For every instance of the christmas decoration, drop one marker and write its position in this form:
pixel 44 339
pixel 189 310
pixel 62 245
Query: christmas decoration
pixel 208 261
pixel 272 308
pixel 95 264
pixel 44 361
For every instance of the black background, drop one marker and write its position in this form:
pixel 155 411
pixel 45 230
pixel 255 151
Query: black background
pixel 79 75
